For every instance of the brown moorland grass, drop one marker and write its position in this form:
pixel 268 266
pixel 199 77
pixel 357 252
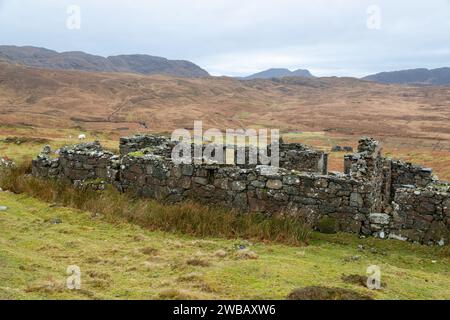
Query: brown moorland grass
pixel 127 103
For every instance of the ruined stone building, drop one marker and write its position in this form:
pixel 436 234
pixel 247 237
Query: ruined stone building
pixel 375 196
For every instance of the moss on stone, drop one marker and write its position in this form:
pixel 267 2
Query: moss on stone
pixel 137 154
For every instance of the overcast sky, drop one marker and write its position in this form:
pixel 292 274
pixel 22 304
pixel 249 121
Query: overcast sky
pixel 240 37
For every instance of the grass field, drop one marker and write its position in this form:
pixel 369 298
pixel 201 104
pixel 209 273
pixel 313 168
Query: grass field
pixel 123 261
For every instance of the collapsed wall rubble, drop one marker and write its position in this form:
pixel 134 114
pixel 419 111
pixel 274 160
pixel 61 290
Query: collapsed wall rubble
pixel 374 196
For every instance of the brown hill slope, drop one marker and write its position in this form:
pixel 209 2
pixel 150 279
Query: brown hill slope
pixel 46 98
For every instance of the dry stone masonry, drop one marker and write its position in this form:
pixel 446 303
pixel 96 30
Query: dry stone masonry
pixel 375 196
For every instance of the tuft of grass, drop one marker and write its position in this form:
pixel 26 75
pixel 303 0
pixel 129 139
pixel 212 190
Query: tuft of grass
pixel 188 218
pixel 246 254
pixel 358 279
pixel 150 251
pixel 220 253
pixel 175 294
pixel 198 262
pixel 355 279
pixel 325 293
pixel 49 286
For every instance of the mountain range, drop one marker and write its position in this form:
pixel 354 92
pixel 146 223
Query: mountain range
pixel 422 76
pixel 77 60
pixel 151 65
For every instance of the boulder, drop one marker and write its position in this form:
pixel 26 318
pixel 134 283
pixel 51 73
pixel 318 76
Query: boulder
pixel 238 185
pixel 46 150
pixel 356 200
pixel 396 236
pixel 274 184
pixel 379 218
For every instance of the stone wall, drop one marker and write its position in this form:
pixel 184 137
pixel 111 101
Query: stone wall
pixel 368 165
pixel 374 196
pixel 421 214
pixel 293 156
pixel 46 167
pixel 87 161
pixel 249 189
pixel 408 174
pixel 139 142
pixel 296 156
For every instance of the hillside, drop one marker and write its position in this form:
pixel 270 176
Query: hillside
pixel 279 73
pixel 439 76
pixel 114 101
pixel 144 64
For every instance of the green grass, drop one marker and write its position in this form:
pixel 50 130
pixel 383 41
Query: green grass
pixel 124 261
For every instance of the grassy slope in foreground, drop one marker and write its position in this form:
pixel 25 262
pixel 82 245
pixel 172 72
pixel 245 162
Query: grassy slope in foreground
pixel 123 261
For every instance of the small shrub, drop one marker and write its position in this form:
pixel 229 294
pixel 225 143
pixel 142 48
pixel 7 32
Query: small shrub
pixel 327 225
pixel 325 293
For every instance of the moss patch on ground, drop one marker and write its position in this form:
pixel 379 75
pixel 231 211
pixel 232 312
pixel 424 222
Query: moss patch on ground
pixel 39 241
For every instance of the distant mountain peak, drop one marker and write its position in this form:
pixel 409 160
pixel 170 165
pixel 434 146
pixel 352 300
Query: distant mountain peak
pixel 78 60
pixel 279 73
pixel 440 76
